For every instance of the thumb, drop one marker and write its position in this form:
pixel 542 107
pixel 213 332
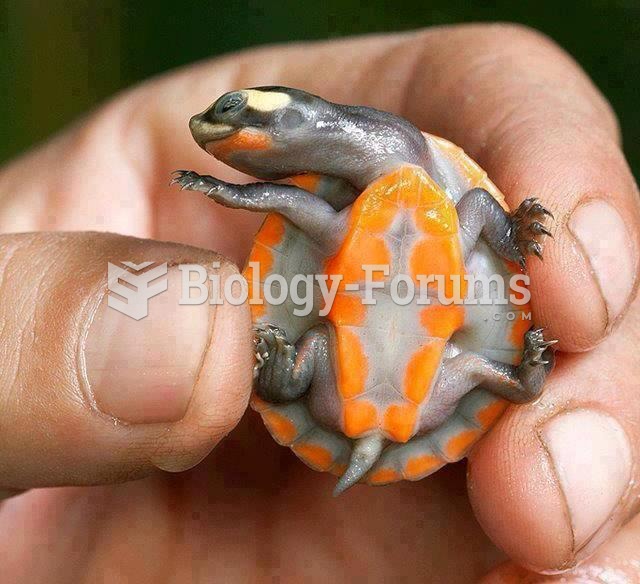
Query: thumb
pixel 90 395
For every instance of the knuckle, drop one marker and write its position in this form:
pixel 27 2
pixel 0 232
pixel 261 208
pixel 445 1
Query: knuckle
pixel 518 37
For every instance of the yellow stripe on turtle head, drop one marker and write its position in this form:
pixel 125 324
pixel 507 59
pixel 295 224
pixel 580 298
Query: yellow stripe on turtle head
pixel 266 101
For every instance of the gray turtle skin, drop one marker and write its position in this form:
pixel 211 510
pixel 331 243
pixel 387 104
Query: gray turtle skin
pixel 274 133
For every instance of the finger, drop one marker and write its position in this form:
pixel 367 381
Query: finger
pixel 509 96
pixel 617 561
pixel 555 479
pixel 91 395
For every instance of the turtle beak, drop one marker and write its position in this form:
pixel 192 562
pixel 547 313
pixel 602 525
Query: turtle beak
pixel 205 131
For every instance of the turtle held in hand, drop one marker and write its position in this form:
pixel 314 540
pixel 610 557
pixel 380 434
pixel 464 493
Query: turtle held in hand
pixel 367 387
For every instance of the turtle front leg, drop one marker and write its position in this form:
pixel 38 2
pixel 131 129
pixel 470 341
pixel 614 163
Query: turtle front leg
pixel 513 236
pixel 310 213
pixel 284 372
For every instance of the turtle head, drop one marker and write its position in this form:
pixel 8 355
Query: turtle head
pixel 276 132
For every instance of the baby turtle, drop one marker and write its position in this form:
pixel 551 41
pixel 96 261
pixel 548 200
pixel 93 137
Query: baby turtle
pixel 375 391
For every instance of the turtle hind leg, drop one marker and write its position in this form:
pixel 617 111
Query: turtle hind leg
pixel 284 372
pixel 513 236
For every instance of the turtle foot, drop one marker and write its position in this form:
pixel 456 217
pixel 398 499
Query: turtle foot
pixel 537 362
pixel 275 361
pixel 214 188
pixel 528 227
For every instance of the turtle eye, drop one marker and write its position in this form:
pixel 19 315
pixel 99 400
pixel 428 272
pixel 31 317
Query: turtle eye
pixel 230 103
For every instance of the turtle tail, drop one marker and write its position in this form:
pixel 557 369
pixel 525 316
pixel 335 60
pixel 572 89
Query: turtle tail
pixel 366 452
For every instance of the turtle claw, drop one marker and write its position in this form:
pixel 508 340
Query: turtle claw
pixel 538 228
pixel 261 352
pixel 527 227
pixel 536 350
pixel 275 359
pixel 188 180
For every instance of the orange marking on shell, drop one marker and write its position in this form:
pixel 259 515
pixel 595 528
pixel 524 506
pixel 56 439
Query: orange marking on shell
pixel 347 309
pixel 314 455
pixel 308 182
pixel 352 363
pixel 442 321
pixel 439 257
pixel 245 139
pixel 364 249
pixel 399 421
pixel 338 469
pixel 421 370
pixel 374 214
pixel 359 417
pixel 280 427
pixel 254 295
pixel 488 415
pixel 383 476
pixel 417 189
pixel 439 221
pixel 258 404
pixel 257 311
pixel 457 446
pixel 263 258
pixel 419 466
pixel 272 231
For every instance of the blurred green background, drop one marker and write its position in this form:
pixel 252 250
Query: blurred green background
pixel 61 58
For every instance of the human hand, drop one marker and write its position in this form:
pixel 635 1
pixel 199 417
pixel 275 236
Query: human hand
pixel 529 116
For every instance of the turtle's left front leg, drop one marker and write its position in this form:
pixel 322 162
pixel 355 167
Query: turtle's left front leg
pixel 513 236
pixel 311 214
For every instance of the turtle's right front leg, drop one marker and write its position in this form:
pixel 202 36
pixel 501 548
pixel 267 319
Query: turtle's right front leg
pixel 513 236
pixel 316 217
pixel 284 372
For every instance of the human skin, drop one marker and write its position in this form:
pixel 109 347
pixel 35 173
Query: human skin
pixel 554 483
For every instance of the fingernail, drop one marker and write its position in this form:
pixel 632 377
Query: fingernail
pixel 603 235
pixel 144 371
pixel 591 457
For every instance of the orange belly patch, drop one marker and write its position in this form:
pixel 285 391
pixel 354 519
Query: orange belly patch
pixel 458 445
pixel 316 456
pixel 442 321
pixel 272 231
pixel 360 416
pixel 371 248
pixel 490 413
pixel 418 466
pixel 353 363
pixel 281 428
pixel 421 370
pixel 347 310
pixel 383 476
pixel 399 421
